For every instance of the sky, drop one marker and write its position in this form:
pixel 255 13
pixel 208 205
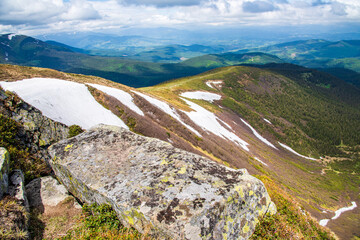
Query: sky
pixel 33 17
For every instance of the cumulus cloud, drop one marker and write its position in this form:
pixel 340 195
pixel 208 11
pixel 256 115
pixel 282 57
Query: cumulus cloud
pixel 338 9
pixel 80 10
pixel 320 2
pixel 29 12
pixel 162 3
pixel 258 7
pixel 83 15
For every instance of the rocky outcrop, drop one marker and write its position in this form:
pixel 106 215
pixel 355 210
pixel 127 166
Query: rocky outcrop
pixel 36 132
pixel 152 185
pixel 4 171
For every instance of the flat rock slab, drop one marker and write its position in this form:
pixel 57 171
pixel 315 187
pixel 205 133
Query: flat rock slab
pixel 160 189
pixel 46 192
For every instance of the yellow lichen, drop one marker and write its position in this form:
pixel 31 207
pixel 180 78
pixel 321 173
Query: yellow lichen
pixel 164 162
pixel 240 191
pixel 224 236
pixel 67 148
pixel 165 179
pixel 182 170
pixel 246 228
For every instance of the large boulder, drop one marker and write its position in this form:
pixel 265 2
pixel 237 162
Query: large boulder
pixel 157 188
pixel 4 171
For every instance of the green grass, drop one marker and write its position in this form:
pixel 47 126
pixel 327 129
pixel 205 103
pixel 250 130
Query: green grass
pixel 101 222
pixel 290 222
pixel 74 130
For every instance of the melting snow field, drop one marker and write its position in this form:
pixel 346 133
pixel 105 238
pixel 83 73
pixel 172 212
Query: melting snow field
pixel 338 212
pixel 209 122
pixel 63 101
pixel 167 109
pixel 261 138
pixel 207 96
pixel 294 152
pixel 124 97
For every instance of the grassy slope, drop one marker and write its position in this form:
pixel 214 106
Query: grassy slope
pixel 327 109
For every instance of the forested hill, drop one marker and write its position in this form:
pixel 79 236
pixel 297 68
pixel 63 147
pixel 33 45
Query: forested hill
pixel 28 51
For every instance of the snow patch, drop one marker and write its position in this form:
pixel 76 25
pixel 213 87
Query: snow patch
pixel 257 159
pixel 167 109
pixel 63 101
pixel 324 222
pixel 338 212
pixel 294 152
pixel 207 96
pixel 10 36
pixel 124 97
pixel 261 138
pixel 344 209
pixel 209 122
pixel 267 121
pixel 215 83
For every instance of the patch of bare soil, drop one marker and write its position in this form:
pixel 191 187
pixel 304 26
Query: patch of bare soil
pixel 55 221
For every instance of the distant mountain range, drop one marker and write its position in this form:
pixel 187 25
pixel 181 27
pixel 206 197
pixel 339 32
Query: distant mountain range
pixel 28 51
pixel 317 53
pixel 341 59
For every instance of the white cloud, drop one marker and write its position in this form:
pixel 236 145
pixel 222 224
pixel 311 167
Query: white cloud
pixel 42 12
pixel 82 15
pixel 80 10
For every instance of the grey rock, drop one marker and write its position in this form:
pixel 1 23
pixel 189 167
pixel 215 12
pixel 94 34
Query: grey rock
pixel 17 187
pixel 4 171
pixel 152 185
pixel 46 191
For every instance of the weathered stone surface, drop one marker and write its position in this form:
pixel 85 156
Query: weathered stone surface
pixel 151 184
pixel 4 171
pixel 46 191
pixel 17 187
pixel 36 132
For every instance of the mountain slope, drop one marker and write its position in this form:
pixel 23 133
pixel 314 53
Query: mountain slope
pixel 273 125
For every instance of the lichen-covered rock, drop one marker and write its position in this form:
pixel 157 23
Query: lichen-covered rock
pixel 152 185
pixel 4 171
pixel 36 132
